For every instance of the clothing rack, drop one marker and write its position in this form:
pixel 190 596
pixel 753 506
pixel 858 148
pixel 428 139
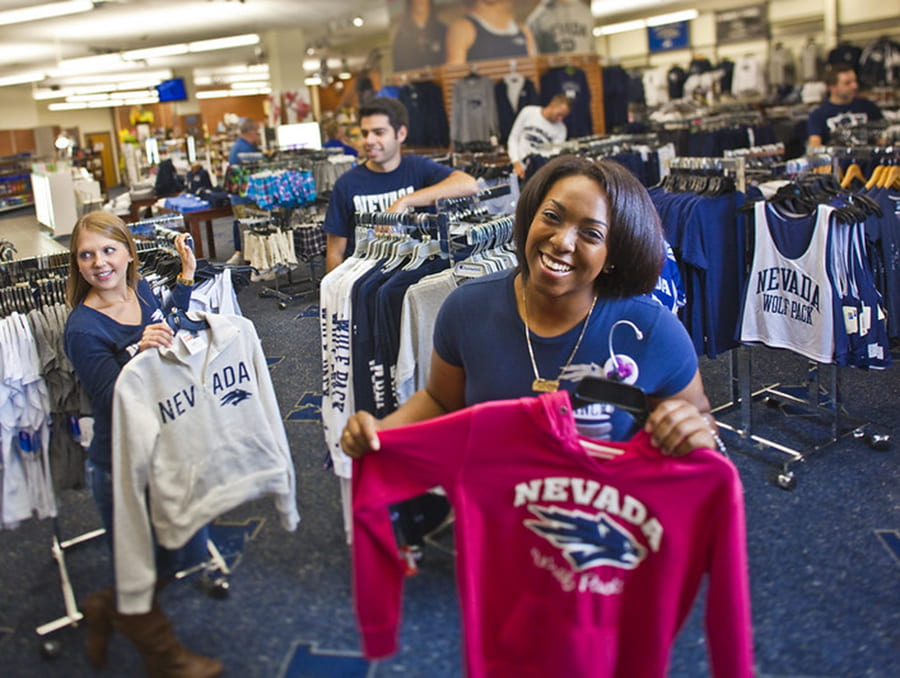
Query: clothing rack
pixel 32 283
pixel 730 167
pixel 810 398
pixel 284 294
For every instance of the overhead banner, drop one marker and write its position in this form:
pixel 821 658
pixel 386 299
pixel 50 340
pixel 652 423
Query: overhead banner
pixel 435 32
pixel 741 25
pixel 669 36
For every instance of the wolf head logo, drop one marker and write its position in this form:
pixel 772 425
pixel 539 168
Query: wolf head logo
pixel 587 540
pixel 234 397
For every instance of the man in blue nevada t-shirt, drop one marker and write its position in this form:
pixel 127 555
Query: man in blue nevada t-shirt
pixel 842 101
pixel 388 181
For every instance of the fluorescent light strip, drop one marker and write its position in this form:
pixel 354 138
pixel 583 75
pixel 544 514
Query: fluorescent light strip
pixel 49 11
pixel 97 63
pixel 673 17
pixel 224 43
pixel 21 79
pixel 249 85
pixel 638 24
pixel 75 80
pixel 66 107
pixel 622 27
pixel 223 93
pixel 153 52
pixel 85 98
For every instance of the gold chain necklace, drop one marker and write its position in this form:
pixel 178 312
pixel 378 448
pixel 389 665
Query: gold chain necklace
pixel 541 385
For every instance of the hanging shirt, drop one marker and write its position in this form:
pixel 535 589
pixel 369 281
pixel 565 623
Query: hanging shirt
pixel 789 297
pixel 474 113
pixel 196 432
pixel 573 83
pixel 568 564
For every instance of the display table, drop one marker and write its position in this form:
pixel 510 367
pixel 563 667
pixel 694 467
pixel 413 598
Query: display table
pixel 193 220
pixel 138 204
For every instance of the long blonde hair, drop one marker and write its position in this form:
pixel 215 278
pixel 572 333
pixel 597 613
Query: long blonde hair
pixel 110 226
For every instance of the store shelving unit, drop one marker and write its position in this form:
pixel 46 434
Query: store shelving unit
pixel 15 182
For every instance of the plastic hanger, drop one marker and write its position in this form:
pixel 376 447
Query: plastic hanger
pixel 853 172
pixel 179 320
pixel 626 397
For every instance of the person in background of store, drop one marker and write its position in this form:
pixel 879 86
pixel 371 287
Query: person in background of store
pixel 387 180
pixel 489 30
pixel 247 142
pixel 535 126
pixel 842 99
pixel 590 248
pixel 114 316
pixel 337 137
pixel 420 39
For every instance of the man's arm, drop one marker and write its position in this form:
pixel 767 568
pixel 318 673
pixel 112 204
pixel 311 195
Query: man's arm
pixel 457 185
pixel 335 246
pixel 815 128
pixel 513 144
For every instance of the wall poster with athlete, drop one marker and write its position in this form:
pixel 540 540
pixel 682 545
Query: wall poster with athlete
pixel 436 32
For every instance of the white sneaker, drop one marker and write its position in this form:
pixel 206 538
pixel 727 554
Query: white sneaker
pixel 236 259
pixel 267 276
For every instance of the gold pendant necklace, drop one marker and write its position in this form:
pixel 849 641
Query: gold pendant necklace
pixel 541 385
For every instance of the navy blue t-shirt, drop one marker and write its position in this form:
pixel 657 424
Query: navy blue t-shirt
pixel 479 329
pixel 362 190
pixel 820 117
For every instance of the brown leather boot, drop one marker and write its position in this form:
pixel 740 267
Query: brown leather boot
pixel 164 656
pixel 98 609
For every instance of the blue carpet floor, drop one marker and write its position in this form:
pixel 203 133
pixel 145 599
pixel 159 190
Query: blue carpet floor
pixel 824 558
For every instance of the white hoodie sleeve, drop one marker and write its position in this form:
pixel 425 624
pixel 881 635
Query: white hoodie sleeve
pixel 133 438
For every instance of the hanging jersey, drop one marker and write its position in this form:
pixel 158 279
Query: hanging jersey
pixel 788 301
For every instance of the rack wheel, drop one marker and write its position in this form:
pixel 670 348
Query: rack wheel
pixel 881 442
pixel 260 294
pixel 282 305
pixel 219 588
pixel 786 480
pixel 51 648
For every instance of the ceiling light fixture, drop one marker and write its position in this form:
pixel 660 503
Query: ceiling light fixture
pixel 224 43
pixel 638 24
pixel 21 79
pixel 358 21
pixel 154 52
pixel 673 17
pixel 222 93
pixel 92 64
pixel 49 11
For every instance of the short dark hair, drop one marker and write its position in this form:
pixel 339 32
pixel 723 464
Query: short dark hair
pixel 394 110
pixel 833 72
pixel 635 242
pixel 561 98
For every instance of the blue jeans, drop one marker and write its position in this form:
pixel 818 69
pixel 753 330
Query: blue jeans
pixel 168 562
